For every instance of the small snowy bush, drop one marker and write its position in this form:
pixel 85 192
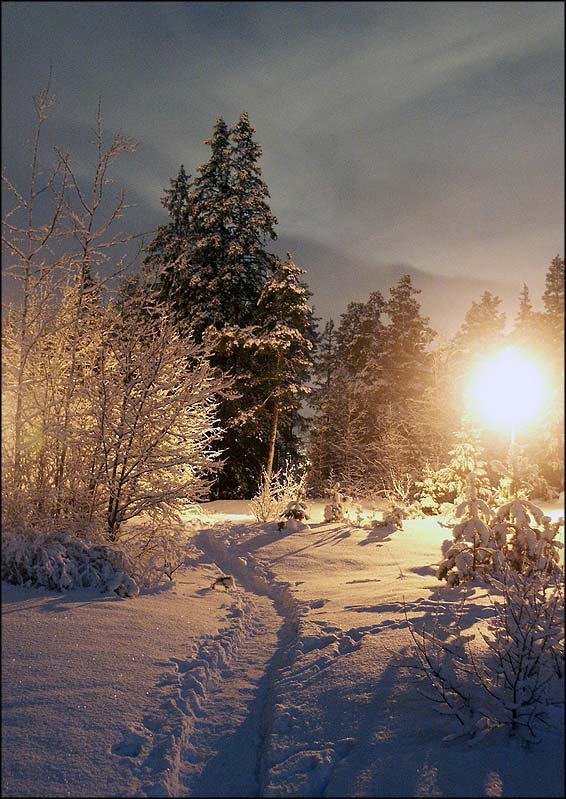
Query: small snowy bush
pixel 439 490
pixel 532 544
pixel 62 562
pixel 157 550
pixel 294 516
pixel 475 548
pixel 334 510
pixel 514 680
pixel 392 518
pixel 276 491
pixel 356 515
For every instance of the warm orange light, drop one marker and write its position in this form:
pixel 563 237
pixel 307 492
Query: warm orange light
pixel 508 391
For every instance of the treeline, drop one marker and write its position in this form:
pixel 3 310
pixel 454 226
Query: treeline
pixel 389 403
pixel 188 381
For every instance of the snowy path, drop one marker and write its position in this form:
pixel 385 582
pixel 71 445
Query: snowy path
pixel 222 756
pixel 295 682
pixel 209 733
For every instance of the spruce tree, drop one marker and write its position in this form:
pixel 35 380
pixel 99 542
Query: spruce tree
pixel 553 297
pixel 166 257
pixel 249 264
pixel 343 438
pixel 212 229
pixel 322 435
pixel 359 336
pixel 245 266
pixel 482 328
pixel 283 343
pixel 529 329
pixel 407 337
pixel 217 267
pixel 553 331
pixel 405 376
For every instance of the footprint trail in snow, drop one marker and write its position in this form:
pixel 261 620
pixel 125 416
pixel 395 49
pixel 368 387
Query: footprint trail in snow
pixel 221 755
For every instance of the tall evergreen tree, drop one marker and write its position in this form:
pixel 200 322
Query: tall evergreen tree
pixel 528 330
pixel 249 264
pixel 482 328
pixel 359 336
pixel 553 300
pixel 284 341
pixel 553 297
pixel 323 434
pixel 208 300
pixel 407 338
pixel 217 279
pixel 167 255
pixel 553 326
pixel 405 377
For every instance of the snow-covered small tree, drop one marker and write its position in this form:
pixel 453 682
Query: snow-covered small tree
pixel 514 680
pixel 294 516
pixel 447 485
pixel 334 509
pixel 276 491
pixel 151 418
pixel 475 548
pixel 532 544
pixel 526 642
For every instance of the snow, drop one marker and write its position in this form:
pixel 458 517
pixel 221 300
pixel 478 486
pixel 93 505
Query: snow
pixel 297 680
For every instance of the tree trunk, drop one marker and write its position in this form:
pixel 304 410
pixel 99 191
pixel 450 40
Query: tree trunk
pixel 271 455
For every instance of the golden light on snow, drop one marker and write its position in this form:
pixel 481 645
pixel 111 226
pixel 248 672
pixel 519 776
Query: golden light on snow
pixel 508 391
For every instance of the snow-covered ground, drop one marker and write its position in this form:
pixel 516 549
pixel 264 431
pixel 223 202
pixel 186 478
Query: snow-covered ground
pixel 296 681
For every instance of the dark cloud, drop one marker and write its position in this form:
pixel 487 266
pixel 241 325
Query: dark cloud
pixel 423 134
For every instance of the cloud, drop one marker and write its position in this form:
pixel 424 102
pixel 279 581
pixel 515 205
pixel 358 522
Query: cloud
pixel 337 278
pixel 422 133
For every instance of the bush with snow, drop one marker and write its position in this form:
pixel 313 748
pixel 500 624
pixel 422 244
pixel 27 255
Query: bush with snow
pixel 157 550
pixel 276 491
pixel 391 518
pixel 532 544
pixel 476 548
pixel 439 490
pixel 294 516
pixel 62 562
pixel 334 509
pixel 516 677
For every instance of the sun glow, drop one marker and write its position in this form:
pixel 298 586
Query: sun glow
pixel 508 391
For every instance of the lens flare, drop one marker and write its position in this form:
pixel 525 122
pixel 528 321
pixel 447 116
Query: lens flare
pixel 508 391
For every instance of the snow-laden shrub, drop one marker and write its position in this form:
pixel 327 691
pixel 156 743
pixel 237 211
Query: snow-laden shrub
pixel 157 550
pixel 521 478
pixel 526 642
pixel 276 491
pixel 356 515
pixel 392 518
pixel 61 562
pixel 439 491
pixel 335 508
pixel 475 549
pixel 296 511
pixel 399 488
pixel 532 545
pixel 516 677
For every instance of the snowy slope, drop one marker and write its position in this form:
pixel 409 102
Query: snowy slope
pixel 297 681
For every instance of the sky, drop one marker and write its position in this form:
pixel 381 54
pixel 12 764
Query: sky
pixel 397 137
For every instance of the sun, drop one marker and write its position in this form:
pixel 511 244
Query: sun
pixel 508 391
